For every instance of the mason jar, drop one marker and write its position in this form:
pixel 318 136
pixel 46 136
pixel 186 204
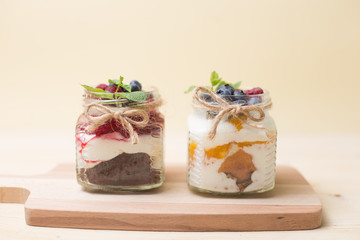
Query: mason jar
pixel 119 143
pixel 232 144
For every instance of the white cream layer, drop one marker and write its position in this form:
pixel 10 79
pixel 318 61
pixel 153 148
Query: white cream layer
pixel 108 146
pixel 207 176
pixel 227 132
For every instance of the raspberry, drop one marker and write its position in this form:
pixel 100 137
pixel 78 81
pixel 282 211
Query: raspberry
pixel 248 92
pixel 103 129
pixel 257 90
pixel 112 89
pixel 254 91
pixel 102 86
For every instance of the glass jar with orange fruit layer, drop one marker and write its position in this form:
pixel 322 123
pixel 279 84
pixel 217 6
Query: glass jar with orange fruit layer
pixel 232 142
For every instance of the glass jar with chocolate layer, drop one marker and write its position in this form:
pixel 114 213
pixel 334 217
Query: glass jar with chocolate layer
pixel 232 142
pixel 119 139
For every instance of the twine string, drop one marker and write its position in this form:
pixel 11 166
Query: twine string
pixel 223 107
pixel 128 117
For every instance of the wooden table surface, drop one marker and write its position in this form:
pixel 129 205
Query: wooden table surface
pixel 330 162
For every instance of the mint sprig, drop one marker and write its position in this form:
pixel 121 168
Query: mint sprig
pixel 216 82
pixel 215 79
pixel 92 89
pixel 192 87
pixel 138 96
pixel 119 83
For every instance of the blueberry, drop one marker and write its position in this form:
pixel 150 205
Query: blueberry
pixel 253 101
pixel 112 84
pixel 239 93
pixel 206 97
pixel 238 102
pixel 225 89
pixel 135 86
pixel 227 98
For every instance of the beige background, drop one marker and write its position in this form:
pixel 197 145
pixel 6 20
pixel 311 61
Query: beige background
pixel 306 53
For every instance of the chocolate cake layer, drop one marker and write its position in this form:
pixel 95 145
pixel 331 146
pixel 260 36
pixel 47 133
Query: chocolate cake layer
pixel 124 170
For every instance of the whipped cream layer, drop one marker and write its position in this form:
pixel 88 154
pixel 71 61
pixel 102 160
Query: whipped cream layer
pixel 204 171
pixel 200 126
pixel 92 148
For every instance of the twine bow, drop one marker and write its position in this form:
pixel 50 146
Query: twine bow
pixel 225 108
pixel 121 115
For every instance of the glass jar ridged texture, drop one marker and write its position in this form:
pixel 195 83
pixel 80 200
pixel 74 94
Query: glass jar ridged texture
pixel 119 144
pixel 240 158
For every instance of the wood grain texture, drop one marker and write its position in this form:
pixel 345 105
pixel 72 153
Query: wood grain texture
pixel 56 200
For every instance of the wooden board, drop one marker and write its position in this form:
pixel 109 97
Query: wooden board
pixel 56 200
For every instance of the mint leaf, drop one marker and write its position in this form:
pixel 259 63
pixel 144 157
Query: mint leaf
pixel 98 92
pixel 236 85
pixel 214 78
pixel 137 96
pixel 190 89
pixel 127 87
pixel 117 81
pixel 92 89
pixel 214 82
pixel 214 75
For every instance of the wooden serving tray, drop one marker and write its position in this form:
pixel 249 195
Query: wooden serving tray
pixel 56 200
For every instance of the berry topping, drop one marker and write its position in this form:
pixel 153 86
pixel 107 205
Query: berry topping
pixel 133 90
pixel 254 91
pixel 102 86
pixel 239 102
pixel 225 89
pixel 239 97
pixel 135 86
pixel 206 97
pixel 253 100
pixel 257 90
pixel 238 93
pixel 113 88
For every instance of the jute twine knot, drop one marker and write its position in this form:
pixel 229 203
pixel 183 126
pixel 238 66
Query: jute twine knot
pixel 223 107
pixel 126 116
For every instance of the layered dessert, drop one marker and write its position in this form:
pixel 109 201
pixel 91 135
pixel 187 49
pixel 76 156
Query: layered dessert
pixel 238 154
pixel 119 138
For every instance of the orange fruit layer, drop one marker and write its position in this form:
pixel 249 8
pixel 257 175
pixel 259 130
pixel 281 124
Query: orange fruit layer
pixel 221 151
pixel 192 147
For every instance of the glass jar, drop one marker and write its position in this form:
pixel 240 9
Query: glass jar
pixel 239 157
pixel 119 143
